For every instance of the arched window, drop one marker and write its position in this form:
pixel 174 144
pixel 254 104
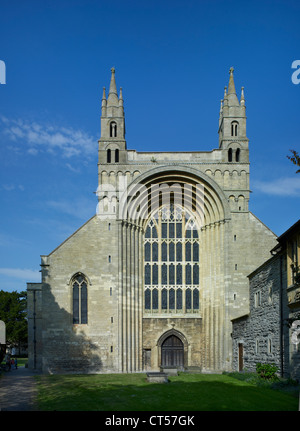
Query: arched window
pixel 234 128
pixel 173 280
pixel 230 155
pixel 237 155
pixel 80 295
pixel 113 129
pixel 109 156
pixel 116 156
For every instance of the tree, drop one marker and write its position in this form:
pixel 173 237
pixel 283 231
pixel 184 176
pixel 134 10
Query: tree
pixel 295 158
pixel 13 312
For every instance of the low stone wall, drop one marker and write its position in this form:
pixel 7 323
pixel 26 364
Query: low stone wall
pixel 157 377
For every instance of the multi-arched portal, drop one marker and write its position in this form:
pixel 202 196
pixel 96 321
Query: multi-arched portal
pixel 201 196
pixel 172 248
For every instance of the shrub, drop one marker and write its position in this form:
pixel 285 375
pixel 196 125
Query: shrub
pixel 267 371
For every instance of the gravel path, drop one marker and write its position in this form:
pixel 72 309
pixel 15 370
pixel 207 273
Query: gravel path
pixel 18 390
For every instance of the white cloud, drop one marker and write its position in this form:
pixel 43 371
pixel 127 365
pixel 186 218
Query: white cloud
pixel 11 187
pixel 21 274
pixel 44 137
pixel 72 168
pixel 289 186
pixel 8 187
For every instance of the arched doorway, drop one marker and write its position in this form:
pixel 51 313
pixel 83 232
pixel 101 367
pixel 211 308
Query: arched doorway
pixel 172 352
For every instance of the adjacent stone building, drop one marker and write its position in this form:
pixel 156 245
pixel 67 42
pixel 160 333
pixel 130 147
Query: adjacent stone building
pixel 155 278
pixel 270 331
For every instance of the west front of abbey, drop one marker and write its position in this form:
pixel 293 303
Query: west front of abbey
pixel 157 276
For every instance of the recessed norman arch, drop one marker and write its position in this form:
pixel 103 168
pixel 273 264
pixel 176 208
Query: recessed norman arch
pixel 194 189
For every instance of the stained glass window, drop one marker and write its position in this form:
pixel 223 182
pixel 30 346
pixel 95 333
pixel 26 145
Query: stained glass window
pixel 164 274
pixel 179 299
pixel 155 252
pixel 164 299
pixel 147 252
pixel 147 274
pixel 171 274
pixel 154 299
pixel 147 299
pixel 188 274
pixel 179 274
pixel 171 251
pixel 171 299
pixel 179 252
pixel 171 269
pixel 188 298
pixel 80 300
pixel 195 299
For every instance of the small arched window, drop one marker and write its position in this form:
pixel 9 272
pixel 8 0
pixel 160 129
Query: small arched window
pixel 237 155
pixel 113 129
pixel 234 128
pixel 109 156
pixel 80 294
pixel 116 156
pixel 230 155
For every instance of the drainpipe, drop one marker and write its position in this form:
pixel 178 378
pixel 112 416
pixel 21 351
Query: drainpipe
pixel 34 330
pixel 281 318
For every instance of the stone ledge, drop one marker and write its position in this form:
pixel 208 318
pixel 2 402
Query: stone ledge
pixel 170 371
pixel 157 377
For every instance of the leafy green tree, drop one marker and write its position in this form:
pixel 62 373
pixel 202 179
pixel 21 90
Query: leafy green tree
pixel 295 158
pixel 13 312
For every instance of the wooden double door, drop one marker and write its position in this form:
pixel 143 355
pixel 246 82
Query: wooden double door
pixel 172 352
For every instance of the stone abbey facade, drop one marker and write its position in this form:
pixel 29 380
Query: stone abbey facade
pixel 156 277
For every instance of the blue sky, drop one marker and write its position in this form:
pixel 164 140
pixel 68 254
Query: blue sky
pixel 172 60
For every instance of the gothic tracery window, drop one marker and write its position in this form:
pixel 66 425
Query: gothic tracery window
pixel 171 262
pixel 79 290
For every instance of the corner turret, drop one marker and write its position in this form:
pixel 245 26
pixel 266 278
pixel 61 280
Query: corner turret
pixel 112 144
pixel 232 125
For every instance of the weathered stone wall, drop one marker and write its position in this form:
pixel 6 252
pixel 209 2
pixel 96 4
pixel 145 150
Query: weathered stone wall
pixel 260 332
pixel 92 346
pixel 293 349
pixel 188 328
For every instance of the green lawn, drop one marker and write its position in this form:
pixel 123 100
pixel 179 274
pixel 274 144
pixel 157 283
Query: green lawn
pixel 131 392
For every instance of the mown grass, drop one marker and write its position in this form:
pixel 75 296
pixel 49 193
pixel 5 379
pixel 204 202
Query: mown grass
pixel 132 392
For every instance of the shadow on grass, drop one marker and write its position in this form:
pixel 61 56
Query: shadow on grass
pixel 133 393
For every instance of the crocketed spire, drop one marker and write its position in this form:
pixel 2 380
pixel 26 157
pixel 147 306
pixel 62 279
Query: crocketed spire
pixel 231 93
pixel 112 99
